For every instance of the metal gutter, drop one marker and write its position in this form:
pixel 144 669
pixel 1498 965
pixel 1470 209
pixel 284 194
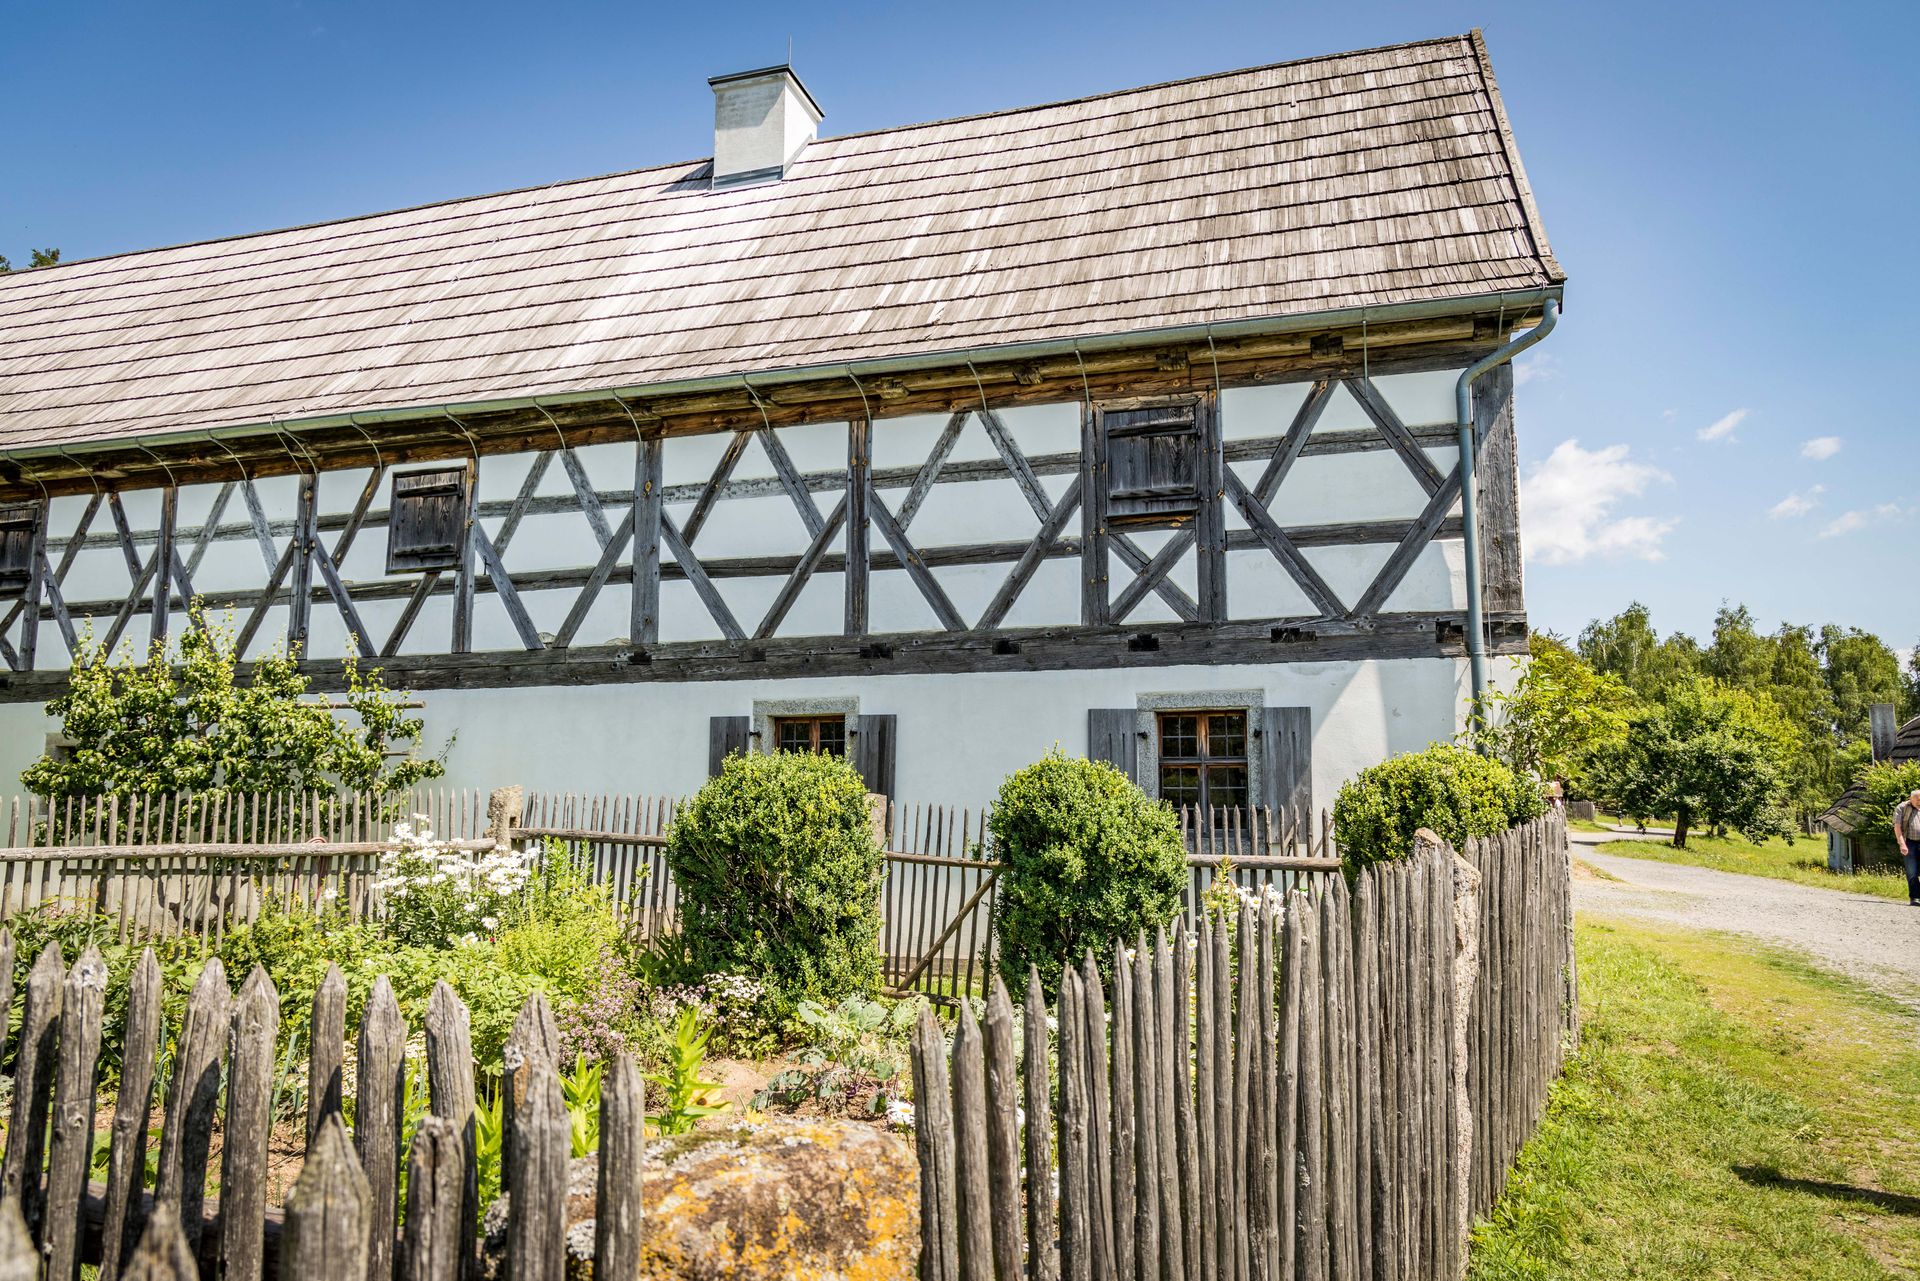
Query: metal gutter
pixel 1509 300
pixel 1469 501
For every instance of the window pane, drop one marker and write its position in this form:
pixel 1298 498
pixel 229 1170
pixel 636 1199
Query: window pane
pixel 793 735
pixel 1227 785
pixel 1226 734
pixel 1180 784
pixel 833 736
pixel 1180 735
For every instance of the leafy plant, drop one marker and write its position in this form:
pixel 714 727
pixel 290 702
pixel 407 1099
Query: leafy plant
pixel 1704 755
pixel 858 1052
pixel 1556 718
pixel 1447 789
pixel 779 875
pixel 685 1093
pixel 179 720
pixel 436 894
pixel 580 1089
pixel 1089 859
pixel 489 1138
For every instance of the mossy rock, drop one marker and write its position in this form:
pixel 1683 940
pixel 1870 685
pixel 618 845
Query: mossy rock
pixel 784 1199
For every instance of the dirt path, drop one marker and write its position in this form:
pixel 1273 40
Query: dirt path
pixel 1873 940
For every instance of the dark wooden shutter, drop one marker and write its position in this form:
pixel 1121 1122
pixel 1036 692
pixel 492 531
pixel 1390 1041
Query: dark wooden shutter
pixel 1154 463
pixel 1286 764
pixel 427 520
pixel 18 526
pixel 725 736
pixel 872 751
pixel 1113 736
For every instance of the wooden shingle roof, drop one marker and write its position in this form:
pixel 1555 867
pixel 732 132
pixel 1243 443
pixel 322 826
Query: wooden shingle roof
pixel 1359 180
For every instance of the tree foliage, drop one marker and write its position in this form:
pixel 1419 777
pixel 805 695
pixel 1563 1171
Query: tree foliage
pixel 182 720
pixel 40 258
pixel 1557 717
pixel 1706 755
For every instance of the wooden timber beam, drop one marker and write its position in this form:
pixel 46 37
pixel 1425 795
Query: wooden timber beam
pixel 1276 640
pixel 432 435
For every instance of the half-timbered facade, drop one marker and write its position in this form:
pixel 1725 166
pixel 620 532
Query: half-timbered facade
pixel 1124 424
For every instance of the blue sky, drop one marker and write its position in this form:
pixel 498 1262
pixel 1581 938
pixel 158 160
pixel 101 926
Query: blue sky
pixel 1718 418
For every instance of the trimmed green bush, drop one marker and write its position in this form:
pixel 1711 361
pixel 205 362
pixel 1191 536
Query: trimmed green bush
pixel 1887 784
pixel 1090 860
pixel 779 876
pixel 1454 792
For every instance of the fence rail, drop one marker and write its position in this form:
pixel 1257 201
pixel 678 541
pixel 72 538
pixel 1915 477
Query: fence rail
pixel 1329 1088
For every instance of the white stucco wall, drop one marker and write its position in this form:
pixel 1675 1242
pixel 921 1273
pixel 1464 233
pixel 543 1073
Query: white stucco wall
pixel 958 736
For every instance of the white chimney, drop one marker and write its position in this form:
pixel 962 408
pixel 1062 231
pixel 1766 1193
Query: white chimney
pixel 761 120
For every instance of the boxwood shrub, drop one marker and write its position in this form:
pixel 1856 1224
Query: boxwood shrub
pixel 779 877
pixel 1451 790
pixel 1090 859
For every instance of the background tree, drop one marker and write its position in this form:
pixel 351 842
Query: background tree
pixel 1860 670
pixel 1703 754
pixel 1558 717
pixel 1627 646
pixel 41 258
pixel 182 721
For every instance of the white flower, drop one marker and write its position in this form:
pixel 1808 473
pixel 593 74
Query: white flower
pixel 899 1114
pixel 490 922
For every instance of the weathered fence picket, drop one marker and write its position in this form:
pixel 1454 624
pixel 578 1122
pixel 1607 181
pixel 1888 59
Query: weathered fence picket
pixel 1325 1087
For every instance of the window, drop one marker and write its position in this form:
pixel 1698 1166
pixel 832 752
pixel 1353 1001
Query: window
pixel 427 520
pixel 1203 758
pixel 18 526
pixel 1153 463
pixel 824 734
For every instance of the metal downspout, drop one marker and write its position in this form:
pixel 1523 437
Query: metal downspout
pixel 1469 502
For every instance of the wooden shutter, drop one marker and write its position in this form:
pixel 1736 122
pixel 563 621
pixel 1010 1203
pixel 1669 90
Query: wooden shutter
pixel 427 520
pixel 1113 736
pixel 872 751
pixel 725 736
pixel 18 526
pixel 1154 463
pixel 1286 762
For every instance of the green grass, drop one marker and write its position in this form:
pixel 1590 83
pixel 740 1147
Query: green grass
pixel 1804 861
pixel 1732 1113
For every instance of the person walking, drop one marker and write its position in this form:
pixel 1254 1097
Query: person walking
pixel 1906 830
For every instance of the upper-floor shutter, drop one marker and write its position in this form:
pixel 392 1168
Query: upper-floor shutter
pixel 1155 463
pixel 725 736
pixel 18 526
pixel 427 519
pixel 872 751
pixel 1113 736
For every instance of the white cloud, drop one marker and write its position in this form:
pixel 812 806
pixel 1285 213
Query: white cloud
pixel 1820 448
pixel 1722 428
pixel 1854 521
pixel 1536 368
pixel 1567 507
pixel 1797 504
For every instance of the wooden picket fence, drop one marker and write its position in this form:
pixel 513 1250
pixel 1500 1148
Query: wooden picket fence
pixel 1329 1089
pixel 344 1218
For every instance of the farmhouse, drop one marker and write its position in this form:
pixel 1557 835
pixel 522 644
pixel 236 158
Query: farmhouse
pixel 1126 424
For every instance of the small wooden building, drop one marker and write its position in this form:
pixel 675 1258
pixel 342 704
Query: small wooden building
pixel 1849 818
pixel 1123 424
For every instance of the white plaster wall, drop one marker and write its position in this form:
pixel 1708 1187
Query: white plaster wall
pixel 958 735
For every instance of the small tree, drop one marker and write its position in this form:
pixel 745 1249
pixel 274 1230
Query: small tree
pixel 1560 714
pixel 1090 861
pixel 1885 785
pixel 1703 754
pixel 778 867
pixel 183 721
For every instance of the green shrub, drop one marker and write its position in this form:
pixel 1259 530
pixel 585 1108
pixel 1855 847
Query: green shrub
pixel 779 877
pixel 1090 860
pixel 1450 790
pixel 1887 784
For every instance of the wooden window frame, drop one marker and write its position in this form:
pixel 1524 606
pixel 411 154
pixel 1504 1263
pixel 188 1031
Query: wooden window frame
pixel 1205 762
pixel 814 722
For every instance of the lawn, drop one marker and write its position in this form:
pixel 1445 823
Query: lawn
pixel 1804 861
pixel 1732 1113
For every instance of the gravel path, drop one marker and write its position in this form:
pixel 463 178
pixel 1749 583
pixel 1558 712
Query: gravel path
pixel 1873 940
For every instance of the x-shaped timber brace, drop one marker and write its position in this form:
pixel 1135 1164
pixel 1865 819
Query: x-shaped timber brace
pixel 293 552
